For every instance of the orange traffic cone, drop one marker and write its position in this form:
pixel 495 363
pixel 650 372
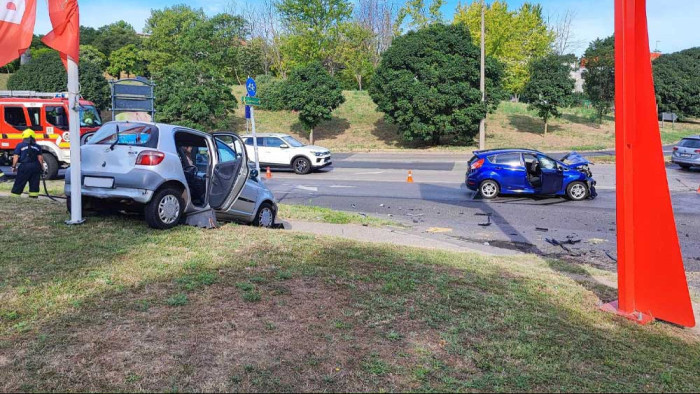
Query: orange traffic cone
pixel 410 177
pixel 698 189
pixel 268 174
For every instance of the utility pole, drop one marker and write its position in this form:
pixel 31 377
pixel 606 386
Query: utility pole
pixel 482 85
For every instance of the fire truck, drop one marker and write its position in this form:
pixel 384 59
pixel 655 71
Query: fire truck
pixel 47 115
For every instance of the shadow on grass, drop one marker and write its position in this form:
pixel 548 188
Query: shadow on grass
pixel 530 124
pixel 327 130
pixel 334 315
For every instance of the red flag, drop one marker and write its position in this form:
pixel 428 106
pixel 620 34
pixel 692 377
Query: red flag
pixel 17 19
pixel 65 36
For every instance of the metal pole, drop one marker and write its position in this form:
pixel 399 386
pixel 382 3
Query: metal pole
pixel 482 84
pixel 76 215
pixel 255 139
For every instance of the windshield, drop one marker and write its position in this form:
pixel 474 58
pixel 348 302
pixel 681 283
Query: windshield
pixel 133 134
pixel 292 142
pixel 89 117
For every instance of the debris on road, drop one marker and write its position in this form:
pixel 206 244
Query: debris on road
pixel 542 229
pixel 488 217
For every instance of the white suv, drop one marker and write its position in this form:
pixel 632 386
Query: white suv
pixel 282 150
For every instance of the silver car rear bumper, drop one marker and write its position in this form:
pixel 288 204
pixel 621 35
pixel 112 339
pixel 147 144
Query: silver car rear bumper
pixel 142 196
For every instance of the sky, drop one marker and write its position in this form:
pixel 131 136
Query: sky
pixel 674 25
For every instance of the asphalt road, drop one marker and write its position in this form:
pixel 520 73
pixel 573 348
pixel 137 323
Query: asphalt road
pixel 375 184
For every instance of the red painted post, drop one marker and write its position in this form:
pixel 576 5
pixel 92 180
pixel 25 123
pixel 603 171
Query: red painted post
pixel 651 276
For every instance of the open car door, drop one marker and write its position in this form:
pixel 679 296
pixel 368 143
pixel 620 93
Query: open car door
pixel 552 176
pixel 230 172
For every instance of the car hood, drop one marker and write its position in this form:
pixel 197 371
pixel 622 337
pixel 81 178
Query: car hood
pixel 575 160
pixel 316 148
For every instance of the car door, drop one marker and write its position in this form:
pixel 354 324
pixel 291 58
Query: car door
pixel 278 150
pixel 552 175
pixel 511 170
pixel 230 172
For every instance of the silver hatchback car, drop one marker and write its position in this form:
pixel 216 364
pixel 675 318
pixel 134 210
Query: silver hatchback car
pixel 174 174
pixel 687 153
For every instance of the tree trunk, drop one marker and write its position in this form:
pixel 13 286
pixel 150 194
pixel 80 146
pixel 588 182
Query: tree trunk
pixel 359 81
pixel 436 138
pixel 311 137
pixel 546 126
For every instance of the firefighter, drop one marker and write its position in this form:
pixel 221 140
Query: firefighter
pixel 28 155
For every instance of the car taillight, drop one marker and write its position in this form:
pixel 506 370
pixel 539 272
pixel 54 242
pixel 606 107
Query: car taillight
pixel 697 151
pixel 150 158
pixel 675 148
pixel 477 164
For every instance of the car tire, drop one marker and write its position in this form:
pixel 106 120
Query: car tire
pixel 577 191
pixel 301 165
pixel 684 166
pixel 50 165
pixel 489 189
pixel 164 211
pixel 265 217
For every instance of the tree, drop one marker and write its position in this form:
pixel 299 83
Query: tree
pixel 111 37
pixel 565 41
pixel 356 52
pixel 89 53
pixel 130 60
pixel 87 35
pixel 191 95
pixel 313 92
pixel 47 74
pixel 419 14
pixel 599 75
pixel 550 87
pixel 379 17
pixel 677 81
pixel 315 30
pixel 515 38
pixel 428 84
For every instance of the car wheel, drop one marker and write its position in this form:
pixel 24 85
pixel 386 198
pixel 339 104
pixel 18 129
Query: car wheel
pixel 265 216
pixel 50 165
pixel 577 191
pixel 301 165
pixel 684 166
pixel 164 211
pixel 489 189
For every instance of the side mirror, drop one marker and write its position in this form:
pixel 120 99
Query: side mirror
pixel 254 174
pixel 284 146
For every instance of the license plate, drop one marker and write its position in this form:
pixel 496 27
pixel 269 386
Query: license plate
pixel 685 155
pixel 98 182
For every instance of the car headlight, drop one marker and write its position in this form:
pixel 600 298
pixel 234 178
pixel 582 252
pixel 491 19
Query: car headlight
pixel 319 154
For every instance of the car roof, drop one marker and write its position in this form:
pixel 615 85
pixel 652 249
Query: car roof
pixel 692 137
pixel 490 152
pixel 265 135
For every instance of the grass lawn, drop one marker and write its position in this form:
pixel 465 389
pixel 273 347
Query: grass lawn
pixel 114 306
pixel 3 81
pixel 357 126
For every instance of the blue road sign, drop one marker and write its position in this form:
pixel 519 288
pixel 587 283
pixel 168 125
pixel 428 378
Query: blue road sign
pixel 247 111
pixel 251 87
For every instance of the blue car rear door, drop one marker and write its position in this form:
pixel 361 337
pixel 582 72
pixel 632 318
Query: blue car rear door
pixel 511 170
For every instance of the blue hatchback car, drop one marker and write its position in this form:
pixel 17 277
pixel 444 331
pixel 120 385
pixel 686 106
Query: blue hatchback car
pixel 529 172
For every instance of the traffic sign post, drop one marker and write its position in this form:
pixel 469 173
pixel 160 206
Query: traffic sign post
pixel 251 101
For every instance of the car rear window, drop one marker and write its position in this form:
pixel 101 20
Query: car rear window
pixel 130 134
pixel 690 143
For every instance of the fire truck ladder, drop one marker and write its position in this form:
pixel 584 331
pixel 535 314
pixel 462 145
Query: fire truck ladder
pixel 30 94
